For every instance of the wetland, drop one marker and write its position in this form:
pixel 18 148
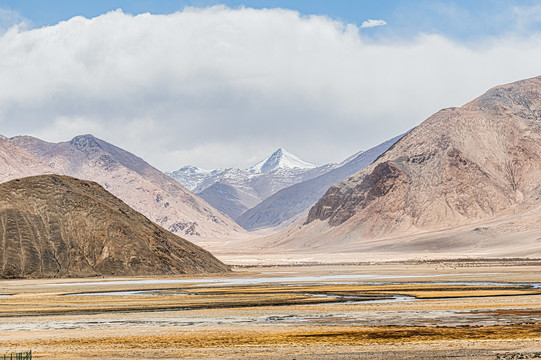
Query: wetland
pixel 409 310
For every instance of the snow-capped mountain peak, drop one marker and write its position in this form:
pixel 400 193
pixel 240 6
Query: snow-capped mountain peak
pixel 189 169
pixel 191 176
pixel 280 159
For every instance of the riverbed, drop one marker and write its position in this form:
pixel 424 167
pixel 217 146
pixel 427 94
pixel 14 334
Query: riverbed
pixel 307 312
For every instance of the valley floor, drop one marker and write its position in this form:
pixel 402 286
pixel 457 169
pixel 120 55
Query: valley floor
pixel 421 310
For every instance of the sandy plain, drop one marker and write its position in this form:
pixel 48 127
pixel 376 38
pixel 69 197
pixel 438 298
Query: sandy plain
pixel 467 309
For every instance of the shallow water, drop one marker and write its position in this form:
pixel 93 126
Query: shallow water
pixel 120 293
pixel 395 298
pixel 286 317
pixel 284 279
pixel 156 292
pixel 322 280
pixel 359 300
pixel 342 298
pixel 333 309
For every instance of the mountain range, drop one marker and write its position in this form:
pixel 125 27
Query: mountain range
pixel 274 193
pixel 465 181
pixel 234 191
pixel 126 176
pixel 291 204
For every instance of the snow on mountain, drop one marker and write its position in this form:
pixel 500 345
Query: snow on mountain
pixel 191 176
pixel 349 159
pixel 292 203
pixel 281 163
pixel 189 169
pixel 280 159
pixel 233 191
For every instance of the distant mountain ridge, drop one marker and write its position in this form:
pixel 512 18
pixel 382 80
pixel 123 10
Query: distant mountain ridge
pixel 233 191
pixel 197 179
pixel 17 163
pixel 275 192
pixel 191 176
pixel 130 178
pixel 292 203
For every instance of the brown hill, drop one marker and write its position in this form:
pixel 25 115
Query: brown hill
pixel 141 186
pixel 461 167
pixel 58 226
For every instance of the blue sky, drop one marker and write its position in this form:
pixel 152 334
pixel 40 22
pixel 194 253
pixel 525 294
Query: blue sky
pixel 460 19
pixel 227 86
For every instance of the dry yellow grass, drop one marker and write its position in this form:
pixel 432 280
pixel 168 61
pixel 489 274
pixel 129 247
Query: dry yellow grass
pixel 253 340
pixel 335 336
pixel 270 321
pixel 240 296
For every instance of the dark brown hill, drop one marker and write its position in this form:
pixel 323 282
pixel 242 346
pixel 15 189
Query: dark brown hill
pixel 58 226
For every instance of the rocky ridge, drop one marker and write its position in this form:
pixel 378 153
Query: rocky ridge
pixel 17 163
pixel 130 178
pixel 462 167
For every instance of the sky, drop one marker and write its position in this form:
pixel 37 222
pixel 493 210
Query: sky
pixel 220 84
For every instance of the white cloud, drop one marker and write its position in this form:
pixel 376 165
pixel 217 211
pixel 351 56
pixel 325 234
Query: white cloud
pixel 372 23
pixel 526 16
pixel 10 18
pixel 220 87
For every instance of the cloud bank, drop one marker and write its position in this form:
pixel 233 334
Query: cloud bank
pixel 221 87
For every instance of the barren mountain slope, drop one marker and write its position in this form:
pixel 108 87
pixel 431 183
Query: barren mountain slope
pixel 291 203
pixel 58 226
pixel 140 185
pixel 231 199
pixel 480 162
pixel 236 191
pixel 17 163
